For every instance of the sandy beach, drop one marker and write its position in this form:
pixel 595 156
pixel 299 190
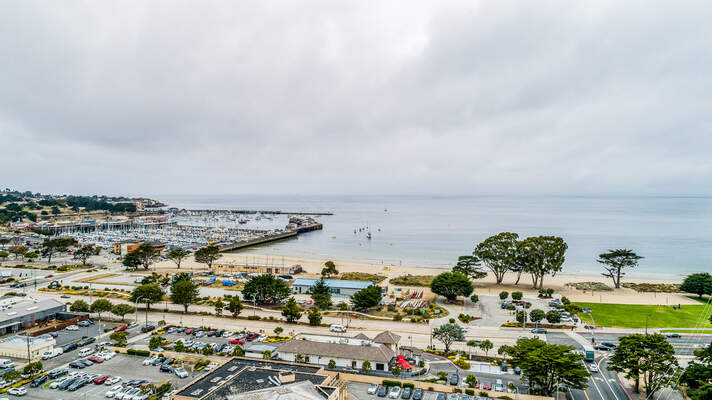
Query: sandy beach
pixel 486 286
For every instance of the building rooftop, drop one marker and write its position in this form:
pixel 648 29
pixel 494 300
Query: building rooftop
pixel 22 341
pixel 373 352
pixel 387 337
pixel 241 375
pixel 294 391
pixel 21 310
pixel 334 283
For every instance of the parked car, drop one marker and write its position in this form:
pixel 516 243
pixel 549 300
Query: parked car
pixel 394 392
pixel 147 328
pixel 498 386
pixel 454 379
pixel 441 396
pixel 72 328
pixel 382 391
pixel 39 380
pixel 539 330
pixel 112 392
pixel 181 372
pixel 149 360
pixel 166 368
pixel 132 325
pixel 610 344
pixel 54 374
pixel 19 391
pixel 372 389
pixel 486 385
pixel 407 392
pixel 101 379
pixel 121 328
pixel 112 380
pixel 418 394
pixel 517 371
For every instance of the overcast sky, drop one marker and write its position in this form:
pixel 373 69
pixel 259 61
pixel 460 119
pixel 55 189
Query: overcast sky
pixel 150 97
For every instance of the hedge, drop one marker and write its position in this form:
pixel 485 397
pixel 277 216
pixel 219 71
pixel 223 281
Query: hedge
pixel 469 392
pixel 387 382
pixel 142 353
pixel 408 384
pixel 253 317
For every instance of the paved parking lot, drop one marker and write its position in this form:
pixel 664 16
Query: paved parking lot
pixel 358 390
pixel 125 366
pixel 64 336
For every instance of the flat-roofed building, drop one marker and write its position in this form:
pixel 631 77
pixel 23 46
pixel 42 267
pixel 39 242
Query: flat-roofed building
pixel 29 313
pixel 18 346
pixel 340 287
pixel 243 378
pixel 246 268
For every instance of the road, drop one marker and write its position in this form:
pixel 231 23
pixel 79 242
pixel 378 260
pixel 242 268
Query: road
pixel 685 345
pixel 602 385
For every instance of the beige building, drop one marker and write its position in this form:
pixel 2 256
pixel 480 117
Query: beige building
pixel 233 267
pixel 17 346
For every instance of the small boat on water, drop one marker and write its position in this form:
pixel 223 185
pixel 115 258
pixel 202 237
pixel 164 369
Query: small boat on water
pixel 368 235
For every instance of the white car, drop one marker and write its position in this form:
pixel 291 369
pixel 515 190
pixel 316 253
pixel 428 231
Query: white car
pixel 19 391
pixel 227 334
pixel 140 396
pixel 394 393
pixel 72 328
pixel 56 383
pixel 107 355
pixel 372 389
pixel 112 392
pixel 120 394
pixel 181 372
pixel 149 360
pixel 211 366
pixel 112 380
pixel 593 368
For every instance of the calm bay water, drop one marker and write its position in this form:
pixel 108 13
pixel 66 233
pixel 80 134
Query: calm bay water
pixel 674 234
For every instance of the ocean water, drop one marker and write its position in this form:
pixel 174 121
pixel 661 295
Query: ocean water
pixel 674 234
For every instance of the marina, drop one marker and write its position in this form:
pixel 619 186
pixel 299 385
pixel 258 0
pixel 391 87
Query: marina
pixel 189 230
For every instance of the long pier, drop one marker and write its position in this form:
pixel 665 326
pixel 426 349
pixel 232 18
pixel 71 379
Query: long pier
pixel 271 238
pixel 273 212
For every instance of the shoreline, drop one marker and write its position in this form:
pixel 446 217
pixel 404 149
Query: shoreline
pixel 312 266
pixel 636 275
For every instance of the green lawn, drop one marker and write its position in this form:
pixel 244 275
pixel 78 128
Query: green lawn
pixel 633 316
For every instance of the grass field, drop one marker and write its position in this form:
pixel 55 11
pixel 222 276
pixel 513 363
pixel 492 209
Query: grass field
pixel 633 316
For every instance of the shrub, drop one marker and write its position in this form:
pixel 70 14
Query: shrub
pixel 503 295
pixel 462 363
pixel 469 392
pixel 397 317
pixel 517 296
pixel 484 394
pixel 387 382
pixel 253 317
pixel 452 320
pixel 408 384
pixel 141 353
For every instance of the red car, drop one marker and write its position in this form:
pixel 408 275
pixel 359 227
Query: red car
pixel 101 379
pixel 49 276
pixel 121 328
pixel 236 341
pixel 95 359
pixel 189 331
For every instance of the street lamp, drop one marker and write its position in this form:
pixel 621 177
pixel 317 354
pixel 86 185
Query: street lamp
pixel 136 306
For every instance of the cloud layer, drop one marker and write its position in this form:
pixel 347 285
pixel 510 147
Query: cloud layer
pixel 356 97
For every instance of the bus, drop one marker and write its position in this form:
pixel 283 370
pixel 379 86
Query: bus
pixel 588 353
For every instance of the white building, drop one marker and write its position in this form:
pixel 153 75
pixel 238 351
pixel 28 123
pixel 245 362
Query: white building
pixel 17 346
pixel 346 352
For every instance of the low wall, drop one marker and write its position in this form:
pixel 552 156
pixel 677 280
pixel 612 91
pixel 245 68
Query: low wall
pixel 435 386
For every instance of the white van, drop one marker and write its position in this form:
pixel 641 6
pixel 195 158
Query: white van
pixel 52 353
pixel 6 363
pixel 337 328
pixel 85 352
pixel 498 386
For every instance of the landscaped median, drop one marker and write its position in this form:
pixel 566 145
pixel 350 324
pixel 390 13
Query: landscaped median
pixel 635 316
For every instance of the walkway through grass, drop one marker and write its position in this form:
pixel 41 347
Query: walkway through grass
pixel 633 316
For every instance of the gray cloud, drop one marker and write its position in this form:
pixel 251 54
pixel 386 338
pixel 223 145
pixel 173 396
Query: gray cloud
pixel 355 97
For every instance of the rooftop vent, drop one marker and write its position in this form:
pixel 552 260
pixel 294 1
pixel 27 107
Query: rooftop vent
pixel 32 308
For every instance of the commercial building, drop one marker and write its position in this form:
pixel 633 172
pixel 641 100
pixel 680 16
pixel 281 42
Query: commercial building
pixel 346 352
pixel 18 346
pixel 246 268
pixel 29 313
pixel 337 286
pixel 242 378
pixel 127 246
